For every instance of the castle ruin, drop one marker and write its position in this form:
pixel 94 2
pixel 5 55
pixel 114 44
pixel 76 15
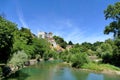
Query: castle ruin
pixel 48 36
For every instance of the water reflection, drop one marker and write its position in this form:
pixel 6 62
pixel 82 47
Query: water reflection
pixel 93 76
pixel 18 76
pixel 58 71
pixel 64 74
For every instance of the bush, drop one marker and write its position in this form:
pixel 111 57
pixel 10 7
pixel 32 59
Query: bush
pixel 106 58
pixel 79 59
pixel 19 58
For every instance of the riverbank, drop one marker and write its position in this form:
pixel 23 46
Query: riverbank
pixel 99 68
pixel 58 71
pixel 59 67
pixel 9 69
pixel 102 68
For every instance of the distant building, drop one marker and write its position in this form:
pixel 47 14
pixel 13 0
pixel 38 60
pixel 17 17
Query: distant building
pixel 45 35
pixel 51 40
pixel 42 35
pixel 48 36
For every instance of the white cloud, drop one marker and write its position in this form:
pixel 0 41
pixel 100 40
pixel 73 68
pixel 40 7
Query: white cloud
pixel 74 35
pixel 70 31
pixel 20 14
pixel 21 18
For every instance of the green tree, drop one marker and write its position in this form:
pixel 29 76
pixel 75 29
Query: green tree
pixel 96 45
pixel 7 29
pixel 87 45
pixel 60 41
pixel 26 35
pixel 113 12
pixel 23 41
pixel 103 49
pixel 70 43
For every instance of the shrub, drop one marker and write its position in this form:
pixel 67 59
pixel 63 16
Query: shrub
pixel 19 58
pixel 79 59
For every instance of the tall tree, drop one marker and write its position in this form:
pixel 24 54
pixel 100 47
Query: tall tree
pixel 70 43
pixel 22 39
pixel 7 29
pixel 113 12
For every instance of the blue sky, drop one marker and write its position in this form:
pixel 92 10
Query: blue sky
pixel 75 20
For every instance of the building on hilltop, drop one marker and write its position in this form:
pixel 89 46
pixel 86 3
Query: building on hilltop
pixel 42 35
pixel 51 40
pixel 45 35
pixel 48 36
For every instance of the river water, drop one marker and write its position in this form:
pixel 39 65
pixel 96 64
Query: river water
pixel 58 71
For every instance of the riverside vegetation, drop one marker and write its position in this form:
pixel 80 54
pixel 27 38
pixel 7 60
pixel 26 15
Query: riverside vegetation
pixel 20 45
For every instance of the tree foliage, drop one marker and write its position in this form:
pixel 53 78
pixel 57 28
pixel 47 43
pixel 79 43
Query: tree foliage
pixel 60 41
pixel 7 29
pixel 41 47
pixel 77 56
pixel 103 49
pixel 13 40
pixel 79 59
pixel 70 43
pixel 113 12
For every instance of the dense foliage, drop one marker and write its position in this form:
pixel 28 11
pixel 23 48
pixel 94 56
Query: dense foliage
pixel 7 29
pixel 113 12
pixel 77 56
pixel 14 40
pixel 70 43
pixel 60 41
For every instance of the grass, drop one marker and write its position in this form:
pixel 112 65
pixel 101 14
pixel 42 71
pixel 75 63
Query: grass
pixel 100 67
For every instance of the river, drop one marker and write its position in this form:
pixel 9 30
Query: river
pixel 58 71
